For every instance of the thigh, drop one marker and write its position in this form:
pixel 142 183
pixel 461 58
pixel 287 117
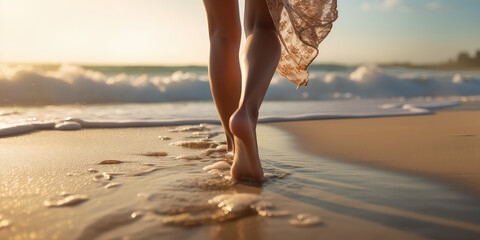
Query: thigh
pixel 223 17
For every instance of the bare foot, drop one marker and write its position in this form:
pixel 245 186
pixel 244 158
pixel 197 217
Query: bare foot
pixel 246 163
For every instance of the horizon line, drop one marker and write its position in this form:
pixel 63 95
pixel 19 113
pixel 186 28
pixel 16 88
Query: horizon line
pixel 104 64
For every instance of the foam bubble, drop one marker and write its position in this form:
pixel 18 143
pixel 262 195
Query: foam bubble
pixel 68 125
pixel 67 201
pixel 279 175
pixel 233 203
pixel 193 128
pixel 220 165
pixel 195 144
pixel 305 220
pixel 457 78
pixel 222 173
pixel 413 108
pixel 4 222
pixel 273 213
pixel 164 138
pixel 218 149
pixel 205 135
pixel 189 219
pixel 189 157
pixel 112 184
pixel 390 106
pixel 107 176
pixel 137 214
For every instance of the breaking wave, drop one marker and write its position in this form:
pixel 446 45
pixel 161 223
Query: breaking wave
pixel 26 85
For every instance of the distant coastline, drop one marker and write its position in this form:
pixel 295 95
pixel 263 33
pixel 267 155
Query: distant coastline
pixel 463 62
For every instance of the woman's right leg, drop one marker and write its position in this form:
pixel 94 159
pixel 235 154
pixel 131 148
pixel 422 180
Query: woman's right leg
pixel 261 56
pixel 224 67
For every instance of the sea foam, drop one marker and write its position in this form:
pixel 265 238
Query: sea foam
pixel 363 91
pixel 196 115
pixel 27 84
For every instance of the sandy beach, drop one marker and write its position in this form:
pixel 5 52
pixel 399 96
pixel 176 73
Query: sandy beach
pixel 153 195
pixel 444 146
pixel 192 120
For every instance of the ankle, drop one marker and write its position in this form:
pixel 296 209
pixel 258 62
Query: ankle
pixel 240 122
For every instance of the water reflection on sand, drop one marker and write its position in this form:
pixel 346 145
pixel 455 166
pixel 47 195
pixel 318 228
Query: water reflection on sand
pixel 148 194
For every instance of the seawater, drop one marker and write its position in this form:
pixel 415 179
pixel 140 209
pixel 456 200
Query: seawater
pixel 159 189
pixel 23 119
pixel 72 97
pixel 67 84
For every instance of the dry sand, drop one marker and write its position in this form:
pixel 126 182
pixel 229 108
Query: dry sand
pixel 445 145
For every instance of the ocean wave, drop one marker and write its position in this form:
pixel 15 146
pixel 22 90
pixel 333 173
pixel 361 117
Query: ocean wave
pixel 272 112
pixel 74 84
pixel 373 82
pixel 27 85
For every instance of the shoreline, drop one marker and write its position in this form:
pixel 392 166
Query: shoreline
pixel 154 178
pixel 68 161
pixel 444 146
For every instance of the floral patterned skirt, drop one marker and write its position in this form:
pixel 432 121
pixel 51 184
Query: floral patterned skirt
pixel 302 25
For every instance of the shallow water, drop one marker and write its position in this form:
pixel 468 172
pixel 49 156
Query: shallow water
pixel 18 120
pixel 151 195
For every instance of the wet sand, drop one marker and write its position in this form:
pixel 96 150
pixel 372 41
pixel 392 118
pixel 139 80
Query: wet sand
pixel 444 146
pixel 43 165
pixel 38 169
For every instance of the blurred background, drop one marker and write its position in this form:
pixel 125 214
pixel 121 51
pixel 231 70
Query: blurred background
pixel 56 53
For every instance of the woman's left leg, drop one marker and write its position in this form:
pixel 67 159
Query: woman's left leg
pixel 224 67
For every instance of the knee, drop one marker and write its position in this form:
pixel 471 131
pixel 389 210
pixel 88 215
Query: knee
pixel 260 26
pixel 225 36
pixel 258 18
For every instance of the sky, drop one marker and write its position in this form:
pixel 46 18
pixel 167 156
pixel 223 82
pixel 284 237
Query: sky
pixel 167 32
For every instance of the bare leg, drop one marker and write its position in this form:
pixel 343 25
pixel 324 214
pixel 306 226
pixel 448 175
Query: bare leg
pixel 224 67
pixel 261 56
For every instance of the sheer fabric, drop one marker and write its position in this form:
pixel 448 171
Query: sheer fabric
pixel 302 25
